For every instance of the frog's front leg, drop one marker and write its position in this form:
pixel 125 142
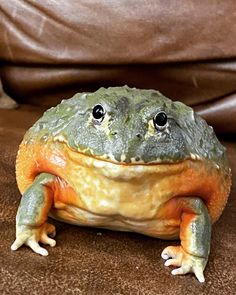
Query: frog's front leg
pixel 195 235
pixel 31 225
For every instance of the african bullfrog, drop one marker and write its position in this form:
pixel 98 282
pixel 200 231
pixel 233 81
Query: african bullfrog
pixel 124 159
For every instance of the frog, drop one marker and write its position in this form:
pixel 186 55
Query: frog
pixel 124 159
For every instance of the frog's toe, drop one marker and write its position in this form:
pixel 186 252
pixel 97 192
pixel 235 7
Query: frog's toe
pixel 17 243
pixel 198 271
pixel 174 261
pixel 187 268
pixel 51 231
pixel 47 240
pixel 171 252
pixel 186 263
pixel 31 242
pixel 181 270
pixel 172 255
pixel 32 236
pixel 34 245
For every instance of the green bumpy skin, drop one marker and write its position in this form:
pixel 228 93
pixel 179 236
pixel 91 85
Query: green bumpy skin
pixel 128 111
pixel 125 138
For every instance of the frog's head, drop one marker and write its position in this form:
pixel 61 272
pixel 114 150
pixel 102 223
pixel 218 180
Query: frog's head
pixel 128 125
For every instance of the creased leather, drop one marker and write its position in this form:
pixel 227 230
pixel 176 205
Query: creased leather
pixel 50 50
pixel 116 32
pixel 221 114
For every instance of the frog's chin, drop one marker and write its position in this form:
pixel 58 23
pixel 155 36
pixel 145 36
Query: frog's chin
pixel 123 171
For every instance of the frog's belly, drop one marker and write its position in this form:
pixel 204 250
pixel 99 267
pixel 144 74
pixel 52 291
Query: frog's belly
pixel 164 228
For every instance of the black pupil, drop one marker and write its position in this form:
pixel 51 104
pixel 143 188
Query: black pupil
pixel 98 112
pixel 160 119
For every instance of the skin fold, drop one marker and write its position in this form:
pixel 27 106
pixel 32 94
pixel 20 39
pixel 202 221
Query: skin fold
pixel 125 172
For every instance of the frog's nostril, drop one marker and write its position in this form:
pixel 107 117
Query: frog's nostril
pixel 114 133
pixel 139 135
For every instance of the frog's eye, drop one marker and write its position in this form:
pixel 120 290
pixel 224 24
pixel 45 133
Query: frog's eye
pixel 98 113
pixel 160 120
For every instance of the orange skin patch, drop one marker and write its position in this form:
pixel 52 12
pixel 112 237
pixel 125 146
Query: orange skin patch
pixel 176 209
pixel 137 192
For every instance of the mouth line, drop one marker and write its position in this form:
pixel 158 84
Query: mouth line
pixel 110 159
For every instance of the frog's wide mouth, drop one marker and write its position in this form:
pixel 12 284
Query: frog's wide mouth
pixel 125 160
pixel 109 160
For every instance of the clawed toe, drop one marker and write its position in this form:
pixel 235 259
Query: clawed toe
pixel 181 270
pixel 186 263
pixel 51 230
pixel 48 241
pixel 17 244
pixel 33 236
pixel 34 245
pixel 199 274
pixel 175 262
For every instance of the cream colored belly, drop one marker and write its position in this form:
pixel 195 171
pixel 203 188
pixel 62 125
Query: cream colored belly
pixel 120 198
pixel 137 194
pixel 167 229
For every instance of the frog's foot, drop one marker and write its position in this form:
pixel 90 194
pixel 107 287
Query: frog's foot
pixel 31 236
pixel 186 262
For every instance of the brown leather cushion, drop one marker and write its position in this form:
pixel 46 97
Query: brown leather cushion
pixel 94 261
pixel 116 32
pixel 52 49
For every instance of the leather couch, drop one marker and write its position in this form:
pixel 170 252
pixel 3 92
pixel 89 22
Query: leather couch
pixel 51 49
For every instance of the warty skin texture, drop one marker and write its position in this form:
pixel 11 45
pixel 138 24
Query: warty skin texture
pixel 127 128
pixel 123 173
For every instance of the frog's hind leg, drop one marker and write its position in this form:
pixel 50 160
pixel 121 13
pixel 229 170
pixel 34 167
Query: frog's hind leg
pixel 31 225
pixel 195 235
